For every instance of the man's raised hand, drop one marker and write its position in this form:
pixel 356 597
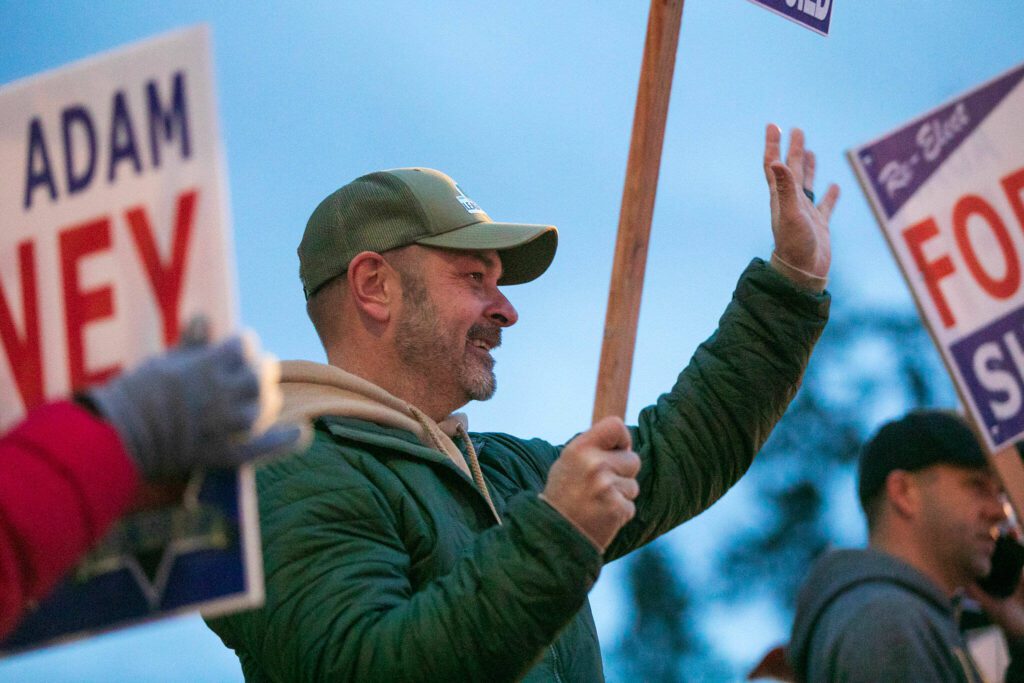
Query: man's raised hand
pixel 799 226
pixel 593 483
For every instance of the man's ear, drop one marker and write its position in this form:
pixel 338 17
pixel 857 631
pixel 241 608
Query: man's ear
pixel 903 492
pixel 373 285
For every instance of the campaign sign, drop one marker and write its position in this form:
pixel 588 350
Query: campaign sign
pixel 948 191
pixel 813 14
pixel 113 234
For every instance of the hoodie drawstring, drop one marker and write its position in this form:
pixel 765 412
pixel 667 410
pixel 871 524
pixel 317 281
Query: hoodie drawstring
pixel 474 466
pixel 431 429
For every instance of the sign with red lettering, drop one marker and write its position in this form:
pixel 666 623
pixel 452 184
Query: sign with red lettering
pixel 113 214
pixel 114 234
pixel 948 191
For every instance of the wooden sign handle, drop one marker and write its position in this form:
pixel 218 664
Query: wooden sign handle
pixel 637 207
pixel 1007 464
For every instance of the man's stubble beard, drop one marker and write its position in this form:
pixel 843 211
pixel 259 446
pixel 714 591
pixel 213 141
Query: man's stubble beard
pixel 959 552
pixel 427 349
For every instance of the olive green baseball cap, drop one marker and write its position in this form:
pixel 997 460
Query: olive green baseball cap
pixel 390 209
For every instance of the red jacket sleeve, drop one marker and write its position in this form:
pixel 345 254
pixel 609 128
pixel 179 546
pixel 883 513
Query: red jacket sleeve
pixel 64 478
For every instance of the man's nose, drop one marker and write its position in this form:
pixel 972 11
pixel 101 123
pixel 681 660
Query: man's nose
pixel 996 508
pixel 502 311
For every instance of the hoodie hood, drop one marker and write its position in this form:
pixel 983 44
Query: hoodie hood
pixel 312 390
pixel 840 571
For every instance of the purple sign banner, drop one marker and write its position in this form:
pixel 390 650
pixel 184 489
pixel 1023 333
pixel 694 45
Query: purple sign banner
pixel 991 363
pixel 813 14
pixel 898 164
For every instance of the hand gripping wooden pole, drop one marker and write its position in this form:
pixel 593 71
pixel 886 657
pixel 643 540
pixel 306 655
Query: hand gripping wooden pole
pixel 637 207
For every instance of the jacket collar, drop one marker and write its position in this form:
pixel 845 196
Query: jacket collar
pixel 359 410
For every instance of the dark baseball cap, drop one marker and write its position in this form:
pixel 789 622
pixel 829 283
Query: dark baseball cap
pixel 915 441
pixel 390 209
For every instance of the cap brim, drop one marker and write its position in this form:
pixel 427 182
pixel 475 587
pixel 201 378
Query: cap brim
pixel 526 250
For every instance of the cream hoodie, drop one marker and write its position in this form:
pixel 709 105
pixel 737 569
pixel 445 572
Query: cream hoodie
pixel 314 389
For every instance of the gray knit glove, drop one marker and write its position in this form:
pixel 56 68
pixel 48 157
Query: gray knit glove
pixel 194 407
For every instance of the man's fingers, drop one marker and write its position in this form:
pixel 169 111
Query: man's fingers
pixel 629 511
pixel 772 150
pixel 828 203
pixel 609 434
pixel 624 463
pixel 196 333
pixel 795 155
pixel 786 188
pixel 628 487
pixel 810 164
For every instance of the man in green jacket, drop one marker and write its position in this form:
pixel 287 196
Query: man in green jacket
pixel 401 547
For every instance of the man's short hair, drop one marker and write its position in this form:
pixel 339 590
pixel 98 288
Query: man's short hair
pixel 918 440
pixel 324 309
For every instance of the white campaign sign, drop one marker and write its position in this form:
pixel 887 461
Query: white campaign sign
pixel 113 215
pixel 948 191
pixel 114 233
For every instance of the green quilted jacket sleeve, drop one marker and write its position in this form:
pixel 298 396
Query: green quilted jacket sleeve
pixel 700 437
pixel 340 604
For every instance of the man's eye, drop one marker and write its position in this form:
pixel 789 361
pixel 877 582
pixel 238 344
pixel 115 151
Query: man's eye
pixel 476 277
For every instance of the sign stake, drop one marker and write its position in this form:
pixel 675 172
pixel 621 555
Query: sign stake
pixel 637 207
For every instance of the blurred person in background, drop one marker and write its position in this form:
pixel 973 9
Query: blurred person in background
pixel 890 612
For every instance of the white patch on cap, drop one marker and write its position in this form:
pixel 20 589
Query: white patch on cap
pixel 470 205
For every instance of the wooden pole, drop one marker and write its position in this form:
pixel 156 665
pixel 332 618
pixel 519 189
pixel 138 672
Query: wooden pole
pixel 1007 463
pixel 637 207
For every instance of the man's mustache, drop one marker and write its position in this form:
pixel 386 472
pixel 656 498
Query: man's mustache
pixel 490 334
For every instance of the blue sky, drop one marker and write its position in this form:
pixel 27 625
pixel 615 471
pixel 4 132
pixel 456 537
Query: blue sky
pixel 529 106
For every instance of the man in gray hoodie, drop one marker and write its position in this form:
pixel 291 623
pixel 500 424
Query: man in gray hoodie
pixel 890 612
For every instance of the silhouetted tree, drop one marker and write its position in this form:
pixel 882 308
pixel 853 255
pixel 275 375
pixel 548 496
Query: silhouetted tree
pixel 661 644
pixel 868 367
